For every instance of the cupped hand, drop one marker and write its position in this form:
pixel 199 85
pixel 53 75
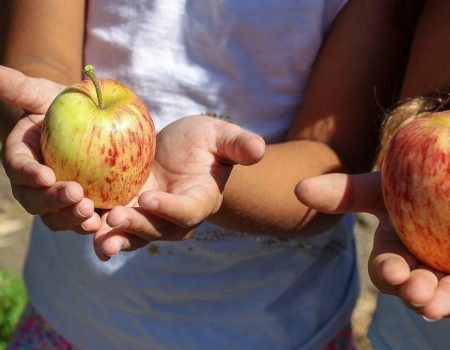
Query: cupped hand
pixel 392 269
pixel 194 158
pixel 61 204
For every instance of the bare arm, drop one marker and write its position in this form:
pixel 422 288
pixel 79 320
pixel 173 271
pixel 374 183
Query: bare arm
pixel 392 268
pixel 428 68
pixel 336 129
pixel 45 39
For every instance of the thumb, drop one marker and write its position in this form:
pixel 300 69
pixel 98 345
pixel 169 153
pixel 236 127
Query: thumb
pixel 340 193
pixel 238 146
pixel 32 94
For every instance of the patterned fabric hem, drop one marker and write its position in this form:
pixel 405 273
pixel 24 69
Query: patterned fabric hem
pixel 33 332
pixel 343 341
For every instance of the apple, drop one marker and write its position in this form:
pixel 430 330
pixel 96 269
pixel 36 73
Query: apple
pixel 415 180
pixel 100 134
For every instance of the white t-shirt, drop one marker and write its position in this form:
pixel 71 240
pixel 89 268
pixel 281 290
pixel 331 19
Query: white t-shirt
pixel 247 61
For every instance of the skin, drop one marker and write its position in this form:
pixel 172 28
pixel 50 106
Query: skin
pixel 255 199
pixel 189 183
pixel 392 268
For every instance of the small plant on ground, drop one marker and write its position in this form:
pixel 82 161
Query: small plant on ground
pixel 13 298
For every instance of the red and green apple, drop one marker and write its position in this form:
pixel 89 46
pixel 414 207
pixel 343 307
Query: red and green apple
pixel 416 187
pixel 100 134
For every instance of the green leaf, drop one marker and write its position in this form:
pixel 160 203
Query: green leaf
pixel 13 298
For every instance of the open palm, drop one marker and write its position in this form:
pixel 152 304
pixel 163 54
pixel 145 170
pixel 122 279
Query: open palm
pixel 194 158
pixel 392 268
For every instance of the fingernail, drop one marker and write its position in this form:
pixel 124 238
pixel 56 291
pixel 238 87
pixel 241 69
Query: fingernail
pixel 102 257
pixel 85 226
pixel 114 254
pixel 123 226
pixel 66 196
pixel 80 214
pixel 429 319
pixel 152 204
pixel 416 305
pixel 125 245
pixel 89 224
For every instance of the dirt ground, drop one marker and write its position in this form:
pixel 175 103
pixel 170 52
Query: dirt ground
pixel 14 228
pixel 365 228
pixel 14 233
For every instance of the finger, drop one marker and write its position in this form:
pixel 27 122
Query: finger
pixel 439 307
pixel 340 193
pixel 72 217
pixel 109 240
pixel 388 271
pixel 32 94
pixel 141 223
pixel 115 241
pixel 390 263
pixel 420 287
pixel 23 170
pixel 21 154
pixel 180 209
pixel 129 228
pixel 133 220
pixel 48 199
pixel 234 145
pixel 90 225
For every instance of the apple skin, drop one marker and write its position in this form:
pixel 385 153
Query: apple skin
pixel 415 177
pixel 108 151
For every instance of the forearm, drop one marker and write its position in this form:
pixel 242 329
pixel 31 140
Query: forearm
pixel 260 199
pixel 428 69
pixel 357 71
pixel 45 39
pixel 36 45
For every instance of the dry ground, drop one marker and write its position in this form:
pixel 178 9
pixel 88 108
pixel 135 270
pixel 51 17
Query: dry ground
pixel 15 226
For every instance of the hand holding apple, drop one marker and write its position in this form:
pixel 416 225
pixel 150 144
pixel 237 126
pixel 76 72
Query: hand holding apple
pixel 416 187
pixel 99 134
pixel 194 158
pixel 392 267
pixel 61 204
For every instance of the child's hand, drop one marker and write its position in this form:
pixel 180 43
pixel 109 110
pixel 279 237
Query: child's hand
pixel 194 157
pixel 392 268
pixel 60 204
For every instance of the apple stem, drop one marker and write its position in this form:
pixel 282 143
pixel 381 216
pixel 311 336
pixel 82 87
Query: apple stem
pixel 89 70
